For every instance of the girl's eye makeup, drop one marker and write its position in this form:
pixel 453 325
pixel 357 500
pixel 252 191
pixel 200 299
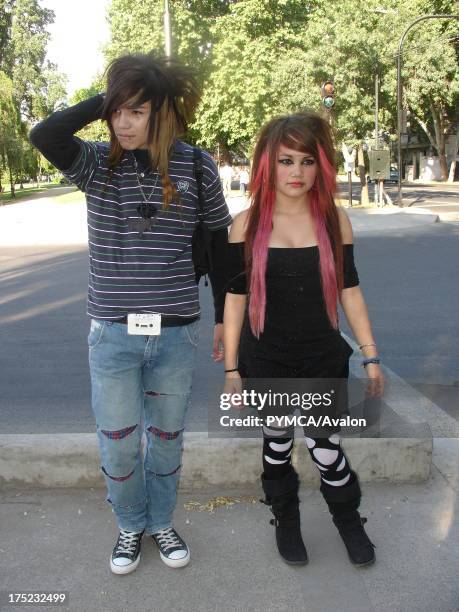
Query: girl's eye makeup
pixel 309 161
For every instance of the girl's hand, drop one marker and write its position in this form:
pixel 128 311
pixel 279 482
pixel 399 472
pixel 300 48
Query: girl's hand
pixel 233 386
pixel 375 385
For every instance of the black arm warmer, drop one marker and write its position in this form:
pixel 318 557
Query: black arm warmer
pixel 54 135
pixel 218 275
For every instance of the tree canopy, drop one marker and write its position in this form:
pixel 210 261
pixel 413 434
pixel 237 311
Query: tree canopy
pixel 258 58
pixel 255 59
pixel 31 86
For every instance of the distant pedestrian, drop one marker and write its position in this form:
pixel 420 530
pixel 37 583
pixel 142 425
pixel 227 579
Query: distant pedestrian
pixel 243 180
pixel 226 175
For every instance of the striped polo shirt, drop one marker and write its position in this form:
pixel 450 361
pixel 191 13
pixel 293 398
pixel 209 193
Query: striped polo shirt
pixel 152 272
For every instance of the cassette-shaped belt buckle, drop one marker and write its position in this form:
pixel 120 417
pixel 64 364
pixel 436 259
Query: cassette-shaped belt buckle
pixel 139 324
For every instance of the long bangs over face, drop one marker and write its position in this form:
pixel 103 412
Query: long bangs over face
pixel 171 88
pixel 307 133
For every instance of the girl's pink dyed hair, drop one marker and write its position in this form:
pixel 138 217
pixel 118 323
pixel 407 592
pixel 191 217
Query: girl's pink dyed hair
pixel 306 132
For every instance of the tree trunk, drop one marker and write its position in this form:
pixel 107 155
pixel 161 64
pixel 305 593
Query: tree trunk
pixel 13 193
pixel 452 169
pixel 2 166
pixel 440 138
pixel 18 179
pixel 363 181
pixel 427 131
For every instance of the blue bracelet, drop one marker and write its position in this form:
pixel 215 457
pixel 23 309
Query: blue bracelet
pixel 365 362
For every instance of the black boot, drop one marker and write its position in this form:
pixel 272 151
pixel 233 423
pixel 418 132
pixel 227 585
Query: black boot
pixel 282 496
pixel 343 503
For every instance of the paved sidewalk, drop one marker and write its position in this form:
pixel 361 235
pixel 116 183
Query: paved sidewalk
pixel 45 221
pixel 369 220
pixel 60 540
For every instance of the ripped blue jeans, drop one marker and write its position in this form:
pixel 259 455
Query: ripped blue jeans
pixel 141 383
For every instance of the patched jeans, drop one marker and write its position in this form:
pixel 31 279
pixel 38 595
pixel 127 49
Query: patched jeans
pixel 141 383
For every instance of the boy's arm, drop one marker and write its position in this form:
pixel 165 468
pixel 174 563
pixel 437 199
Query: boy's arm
pixel 54 136
pixel 217 275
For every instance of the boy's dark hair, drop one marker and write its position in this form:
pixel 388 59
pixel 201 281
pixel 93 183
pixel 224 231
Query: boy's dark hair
pixel 172 89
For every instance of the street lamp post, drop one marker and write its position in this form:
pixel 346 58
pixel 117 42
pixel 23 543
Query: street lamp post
pixel 167 30
pixel 399 96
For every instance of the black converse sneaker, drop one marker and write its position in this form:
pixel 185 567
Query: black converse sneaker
pixel 126 554
pixel 172 549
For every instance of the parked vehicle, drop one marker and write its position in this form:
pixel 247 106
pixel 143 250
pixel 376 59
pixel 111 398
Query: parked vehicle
pixel 393 175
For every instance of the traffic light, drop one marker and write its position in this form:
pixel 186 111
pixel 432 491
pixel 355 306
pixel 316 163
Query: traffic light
pixel 328 94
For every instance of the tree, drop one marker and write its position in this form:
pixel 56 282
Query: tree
pixel 31 86
pixel 431 80
pixel 9 129
pixel 51 94
pixel 138 27
pixel 353 41
pixel 258 58
pixel 24 40
pixel 252 40
pixel 6 15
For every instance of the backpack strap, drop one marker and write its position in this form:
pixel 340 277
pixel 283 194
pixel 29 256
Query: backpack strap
pixel 198 172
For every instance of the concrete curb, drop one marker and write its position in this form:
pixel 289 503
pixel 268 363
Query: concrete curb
pixel 449 217
pixel 69 460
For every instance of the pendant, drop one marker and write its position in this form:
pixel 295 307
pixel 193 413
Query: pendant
pixel 140 225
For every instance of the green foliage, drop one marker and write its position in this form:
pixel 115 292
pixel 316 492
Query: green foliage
pixel 258 58
pixel 138 27
pixel 51 94
pixel 135 27
pixel 24 50
pixel 431 77
pixel 9 125
pixel 31 87
pixel 253 40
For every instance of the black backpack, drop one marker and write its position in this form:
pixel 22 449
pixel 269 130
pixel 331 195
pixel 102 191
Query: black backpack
pixel 202 236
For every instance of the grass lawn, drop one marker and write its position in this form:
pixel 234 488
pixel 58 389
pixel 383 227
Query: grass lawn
pixel 73 196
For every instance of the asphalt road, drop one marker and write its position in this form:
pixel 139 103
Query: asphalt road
pixel 409 278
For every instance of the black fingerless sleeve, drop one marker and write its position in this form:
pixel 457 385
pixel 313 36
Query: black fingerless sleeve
pixel 351 278
pixel 237 281
pixel 218 274
pixel 53 136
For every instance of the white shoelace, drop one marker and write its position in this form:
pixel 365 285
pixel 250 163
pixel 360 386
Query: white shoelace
pixel 127 542
pixel 168 539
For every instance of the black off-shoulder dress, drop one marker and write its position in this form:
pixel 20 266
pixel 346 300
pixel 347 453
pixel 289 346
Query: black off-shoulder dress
pixel 298 340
